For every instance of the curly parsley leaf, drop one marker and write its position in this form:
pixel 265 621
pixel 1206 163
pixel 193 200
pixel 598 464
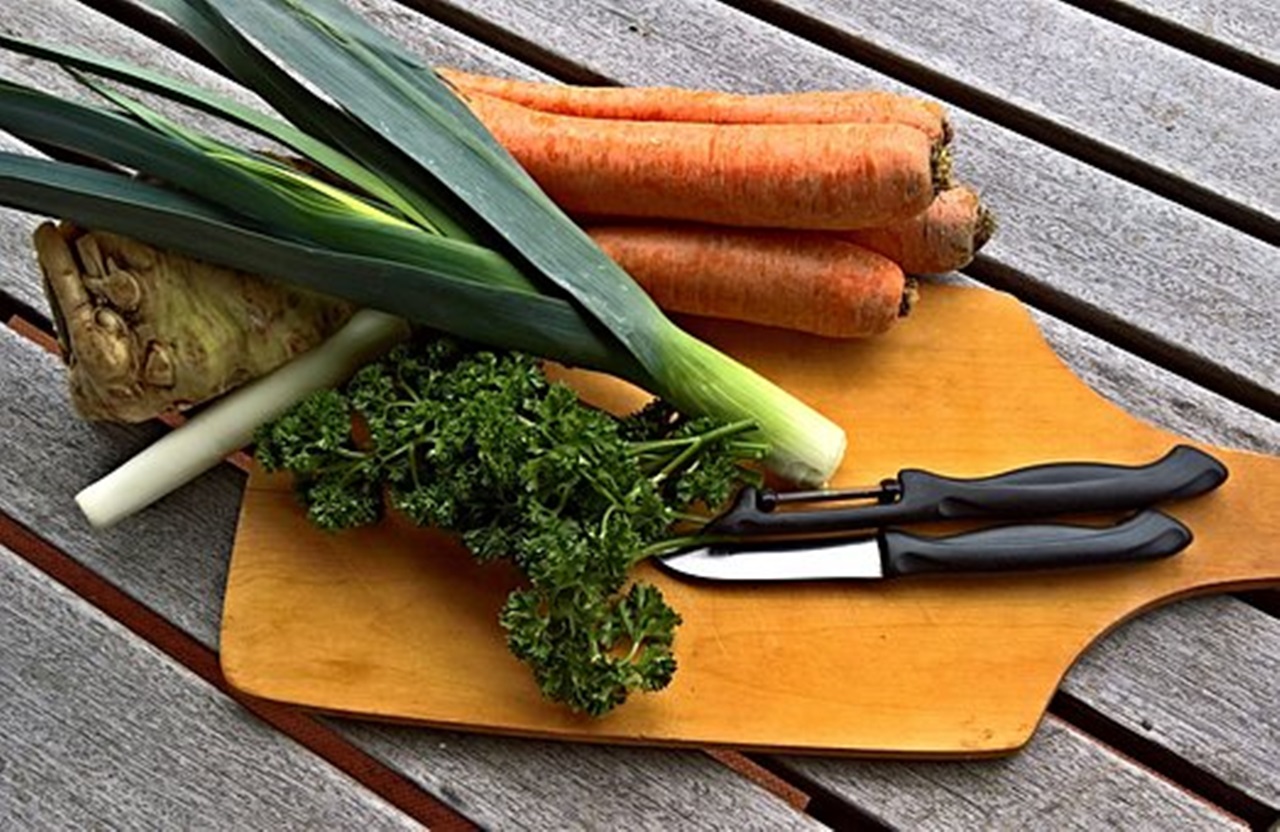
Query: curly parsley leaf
pixel 481 443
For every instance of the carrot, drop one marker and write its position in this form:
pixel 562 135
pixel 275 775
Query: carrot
pixel 809 282
pixel 676 104
pixel 941 239
pixel 813 176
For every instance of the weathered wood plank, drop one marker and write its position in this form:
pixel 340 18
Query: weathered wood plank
pixel 1059 782
pixel 1141 97
pixel 197 526
pixel 1139 266
pixel 1251 26
pixel 1158 396
pixel 526 784
pixel 21 280
pixel 1207 708
pixel 100 729
pixel 419 742
pixel 489 773
pixel 173 557
pixel 69 23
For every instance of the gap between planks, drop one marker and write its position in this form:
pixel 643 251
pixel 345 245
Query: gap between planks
pixel 1181 37
pixel 1164 354
pixel 154 26
pixel 1020 120
pixel 509 43
pixel 1162 762
pixel 1115 330
pixel 159 632
pixel 930 82
pixel 387 783
pixel 824 805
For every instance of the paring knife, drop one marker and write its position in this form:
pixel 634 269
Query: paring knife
pixel 1148 535
pixel 751 540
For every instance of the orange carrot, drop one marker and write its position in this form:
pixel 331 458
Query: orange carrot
pixel 813 176
pixel 677 104
pixel 813 283
pixel 941 239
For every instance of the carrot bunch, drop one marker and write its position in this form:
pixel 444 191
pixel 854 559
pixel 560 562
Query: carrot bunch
pixel 806 211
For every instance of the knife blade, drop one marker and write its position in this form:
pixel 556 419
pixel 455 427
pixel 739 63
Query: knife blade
pixel 1147 535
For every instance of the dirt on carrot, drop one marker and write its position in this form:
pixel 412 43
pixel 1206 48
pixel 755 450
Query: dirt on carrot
pixel 811 176
pixel 711 106
pixel 809 282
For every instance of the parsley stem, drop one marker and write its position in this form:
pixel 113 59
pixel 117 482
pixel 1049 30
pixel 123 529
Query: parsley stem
pixel 700 442
pixel 674 544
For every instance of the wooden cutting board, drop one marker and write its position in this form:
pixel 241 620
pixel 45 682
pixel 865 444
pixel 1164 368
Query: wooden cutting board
pixel 397 623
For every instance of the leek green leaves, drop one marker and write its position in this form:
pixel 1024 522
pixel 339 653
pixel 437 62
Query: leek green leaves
pixel 438 224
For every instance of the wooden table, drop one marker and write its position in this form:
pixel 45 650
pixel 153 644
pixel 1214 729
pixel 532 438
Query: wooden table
pixel 1128 146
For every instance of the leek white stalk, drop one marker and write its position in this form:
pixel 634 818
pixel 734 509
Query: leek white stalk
pixel 228 424
pixel 804 445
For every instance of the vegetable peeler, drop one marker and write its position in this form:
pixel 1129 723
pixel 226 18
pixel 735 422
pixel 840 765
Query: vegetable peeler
pixel 771 535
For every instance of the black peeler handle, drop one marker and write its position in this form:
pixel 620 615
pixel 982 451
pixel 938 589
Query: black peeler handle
pixel 1036 491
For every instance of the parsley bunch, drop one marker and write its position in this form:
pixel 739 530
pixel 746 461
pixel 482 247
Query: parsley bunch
pixel 483 444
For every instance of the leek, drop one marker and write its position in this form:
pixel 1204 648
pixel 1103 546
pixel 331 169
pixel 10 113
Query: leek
pixel 436 222
pixel 228 424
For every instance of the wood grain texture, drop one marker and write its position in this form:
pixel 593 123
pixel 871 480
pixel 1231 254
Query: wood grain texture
pixel 506 783
pixel 173 557
pixel 469 771
pixel 1106 251
pixel 323 620
pixel 20 280
pixel 1252 26
pixel 1061 781
pixel 100 730
pixel 1147 390
pixel 1139 96
pixel 1156 395
pixel 1237 715
pixel 69 23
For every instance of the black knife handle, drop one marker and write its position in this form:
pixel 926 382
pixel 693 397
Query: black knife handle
pixel 1035 491
pixel 1066 487
pixel 1148 535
